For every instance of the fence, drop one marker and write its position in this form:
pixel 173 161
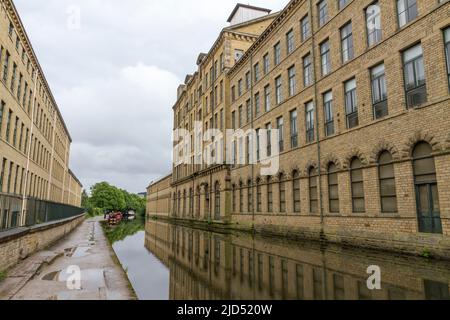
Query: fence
pixel 37 212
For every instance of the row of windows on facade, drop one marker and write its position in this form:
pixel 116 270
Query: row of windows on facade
pixel 12 179
pixel 24 98
pixel 407 12
pixel 415 87
pixel 17 135
pixel 423 167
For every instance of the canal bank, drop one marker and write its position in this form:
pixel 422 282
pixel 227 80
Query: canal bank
pixel 414 244
pixel 82 266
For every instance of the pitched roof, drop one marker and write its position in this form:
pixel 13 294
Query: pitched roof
pixel 241 5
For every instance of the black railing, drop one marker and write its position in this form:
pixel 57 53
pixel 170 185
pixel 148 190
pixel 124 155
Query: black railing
pixel 36 212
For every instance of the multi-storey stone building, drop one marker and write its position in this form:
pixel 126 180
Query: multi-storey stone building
pixel 359 94
pixel 34 140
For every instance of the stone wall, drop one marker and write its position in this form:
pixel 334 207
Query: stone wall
pixel 18 244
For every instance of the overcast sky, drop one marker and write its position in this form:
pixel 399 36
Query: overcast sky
pixel 115 74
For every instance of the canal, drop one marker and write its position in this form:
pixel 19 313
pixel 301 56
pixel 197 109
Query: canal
pixel 166 261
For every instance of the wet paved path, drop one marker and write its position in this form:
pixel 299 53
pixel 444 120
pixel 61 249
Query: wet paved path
pixel 52 274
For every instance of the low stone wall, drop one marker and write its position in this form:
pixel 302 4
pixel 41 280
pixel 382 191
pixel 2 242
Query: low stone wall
pixel 17 244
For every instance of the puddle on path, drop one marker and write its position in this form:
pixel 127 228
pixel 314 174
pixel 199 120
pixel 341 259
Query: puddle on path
pixel 91 279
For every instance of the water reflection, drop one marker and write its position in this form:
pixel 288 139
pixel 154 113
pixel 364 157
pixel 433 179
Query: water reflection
pixel 235 266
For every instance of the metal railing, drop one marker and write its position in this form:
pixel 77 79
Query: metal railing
pixel 36 212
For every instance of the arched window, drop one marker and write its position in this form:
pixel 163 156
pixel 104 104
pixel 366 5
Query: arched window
pixel 184 203
pixel 207 208
pixel 234 197
pixel 296 191
pixel 198 202
pixel 241 197
pixel 269 195
pixel 179 203
pixel 282 189
pixel 191 202
pixel 333 188
pixel 174 206
pixel 258 196
pixel 357 181
pixel 427 195
pixel 313 194
pixel 250 196
pixel 388 192
pixel 217 201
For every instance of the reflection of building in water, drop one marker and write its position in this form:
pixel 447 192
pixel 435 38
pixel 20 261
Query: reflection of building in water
pixel 206 265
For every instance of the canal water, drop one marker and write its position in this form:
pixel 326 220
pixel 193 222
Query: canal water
pixel 167 261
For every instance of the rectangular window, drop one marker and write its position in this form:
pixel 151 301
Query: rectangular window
pixel 306 30
pixel 266 63
pixel 248 106
pixel 240 87
pixel 325 57
pixel 277 54
pixel 6 66
pixel 13 78
pixel 307 71
pixel 379 92
pixel 233 94
pixel 233 120
pixel 351 108
pixel 414 74
pixel 342 4
pixel 309 122
pixel 247 80
pixel 280 127
pixel 407 11
pixel 241 117
pixel 447 52
pixel 328 111
pixel 373 24
pixel 292 81
pixel 347 42
pixel 256 72
pixel 294 129
pixel 278 90
pixel 2 111
pixel 16 124
pixel 290 41
pixel 257 105
pixel 267 98
pixel 322 8
pixel 8 125
pixel 269 139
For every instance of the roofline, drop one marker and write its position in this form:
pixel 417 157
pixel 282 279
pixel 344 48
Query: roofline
pixel 231 30
pixel 159 180
pixel 241 5
pixel 75 178
pixel 10 5
pixel 275 23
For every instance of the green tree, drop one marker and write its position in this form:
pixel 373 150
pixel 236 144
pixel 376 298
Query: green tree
pixel 84 199
pixel 107 197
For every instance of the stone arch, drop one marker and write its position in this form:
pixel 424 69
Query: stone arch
pixel 330 158
pixel 381 147
pixel 354 153
pixel 309 165
pixel 418 137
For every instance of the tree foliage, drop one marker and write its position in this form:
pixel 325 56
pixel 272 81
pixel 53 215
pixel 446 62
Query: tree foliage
pixel 106 197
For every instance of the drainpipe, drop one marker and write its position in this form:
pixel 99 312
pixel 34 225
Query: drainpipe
pixel 319 161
